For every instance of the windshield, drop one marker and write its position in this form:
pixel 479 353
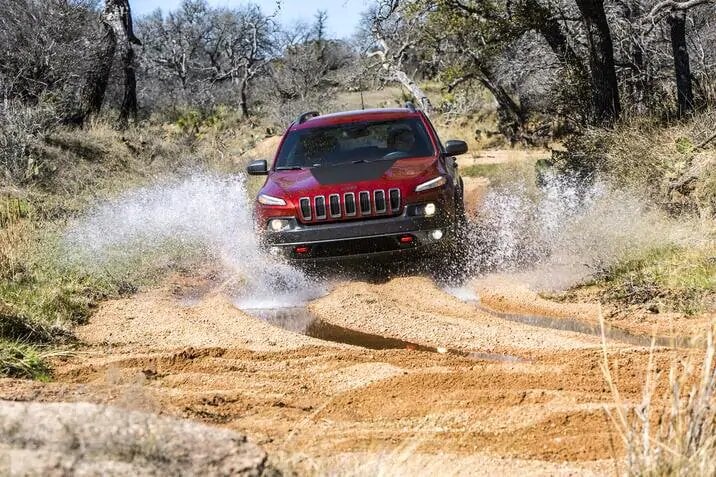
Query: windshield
pixel 355 142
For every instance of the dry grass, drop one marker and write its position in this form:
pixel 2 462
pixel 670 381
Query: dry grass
pixel 666 278
pixel 42 295
pixel 14 233
pixel 672 431
pixel 670 162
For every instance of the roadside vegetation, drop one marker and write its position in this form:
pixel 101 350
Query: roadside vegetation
pixel 666 279
pixel 43 292
pixel 674 166
pixel 671 432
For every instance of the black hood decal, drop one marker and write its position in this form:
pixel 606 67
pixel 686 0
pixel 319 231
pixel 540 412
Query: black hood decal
pixel 363 171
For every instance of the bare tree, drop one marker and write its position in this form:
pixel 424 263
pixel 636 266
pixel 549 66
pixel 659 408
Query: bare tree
pixel 205 51
pixel 393 37
pixel 308 60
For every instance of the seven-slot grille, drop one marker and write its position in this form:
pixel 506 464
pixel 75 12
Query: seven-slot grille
pixel 351 204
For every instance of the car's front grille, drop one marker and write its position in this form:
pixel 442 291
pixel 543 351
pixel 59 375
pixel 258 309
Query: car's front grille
pixel 368 204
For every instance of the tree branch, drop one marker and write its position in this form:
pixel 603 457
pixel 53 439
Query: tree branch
pixel 674 5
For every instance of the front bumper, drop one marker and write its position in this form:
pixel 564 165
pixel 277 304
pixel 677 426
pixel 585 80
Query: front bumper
pixel 360 238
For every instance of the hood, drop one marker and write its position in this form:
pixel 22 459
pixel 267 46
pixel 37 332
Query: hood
pixel 310 181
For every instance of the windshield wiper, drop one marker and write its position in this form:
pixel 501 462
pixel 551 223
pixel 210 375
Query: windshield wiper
pixel 289 168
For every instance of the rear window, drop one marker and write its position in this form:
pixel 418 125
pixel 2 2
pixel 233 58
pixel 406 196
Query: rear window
pixel 355 142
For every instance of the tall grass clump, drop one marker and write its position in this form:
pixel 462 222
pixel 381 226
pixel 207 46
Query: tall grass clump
pixel 672 431
pixel 22 360
pixel 664 278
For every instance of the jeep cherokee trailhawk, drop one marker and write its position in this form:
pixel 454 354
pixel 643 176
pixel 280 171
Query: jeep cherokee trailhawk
pixel 361 183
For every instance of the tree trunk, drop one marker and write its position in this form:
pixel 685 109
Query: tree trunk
pixel 511 117
pixel 117 15
pixel 682 68
pixel 542 20
pixel 96 80
pixel 605 90
pixel 415 90
pixel 129 100
pixel 243 101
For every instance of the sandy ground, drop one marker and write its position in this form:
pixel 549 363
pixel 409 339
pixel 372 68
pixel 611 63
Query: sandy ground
pixel 537 405
pixel 506 294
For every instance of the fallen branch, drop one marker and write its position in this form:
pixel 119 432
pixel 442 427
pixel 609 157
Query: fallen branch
pixel 706 142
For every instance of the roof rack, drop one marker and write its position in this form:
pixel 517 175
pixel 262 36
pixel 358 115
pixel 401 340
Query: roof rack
pixel 306 116
pixel 409 105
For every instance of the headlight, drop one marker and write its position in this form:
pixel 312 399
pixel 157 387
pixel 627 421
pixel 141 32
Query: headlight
pixel 279 225
pixel 431 184
pixel 269 200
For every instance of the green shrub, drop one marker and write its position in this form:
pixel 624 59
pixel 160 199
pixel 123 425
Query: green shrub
pixel 645 154
pixel 21 360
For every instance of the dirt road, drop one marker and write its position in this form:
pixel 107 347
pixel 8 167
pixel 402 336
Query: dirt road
pixel 510 397
pixel 392 376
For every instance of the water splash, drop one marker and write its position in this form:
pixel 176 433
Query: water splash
pixel 564 231
pixel 200 220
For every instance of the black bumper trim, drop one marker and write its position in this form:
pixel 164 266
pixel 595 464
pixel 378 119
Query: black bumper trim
pixel 351 230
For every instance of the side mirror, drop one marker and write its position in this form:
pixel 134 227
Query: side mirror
pixel 455 148
pixel 257 168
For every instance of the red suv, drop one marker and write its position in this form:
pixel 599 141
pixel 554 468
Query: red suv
pixel 360 183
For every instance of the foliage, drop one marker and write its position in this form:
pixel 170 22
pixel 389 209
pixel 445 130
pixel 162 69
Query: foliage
pixel 660 159
pixel 667 279
pixel 21 360
pixel 47 50
pixel 480 170
pixel 22 128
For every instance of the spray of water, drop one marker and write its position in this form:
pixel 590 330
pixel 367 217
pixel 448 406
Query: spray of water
pixel 203 217
pixel 562 232
pixel 553 235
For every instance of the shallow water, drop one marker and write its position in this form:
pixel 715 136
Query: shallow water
pixel 570 324
pixel 300 320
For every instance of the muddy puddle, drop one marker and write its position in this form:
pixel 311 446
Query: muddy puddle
pixel 300 320
pixel 467 295
pixel 571 324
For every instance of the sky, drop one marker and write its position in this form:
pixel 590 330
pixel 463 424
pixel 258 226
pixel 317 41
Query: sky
pixel 343 15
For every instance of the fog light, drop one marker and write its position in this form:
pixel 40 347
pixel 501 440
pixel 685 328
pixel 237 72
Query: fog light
pixel 275 251
pixel 279 225
pixel 429 209
pixel 437 234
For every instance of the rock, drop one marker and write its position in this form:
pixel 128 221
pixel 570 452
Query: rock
pixel 63 439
